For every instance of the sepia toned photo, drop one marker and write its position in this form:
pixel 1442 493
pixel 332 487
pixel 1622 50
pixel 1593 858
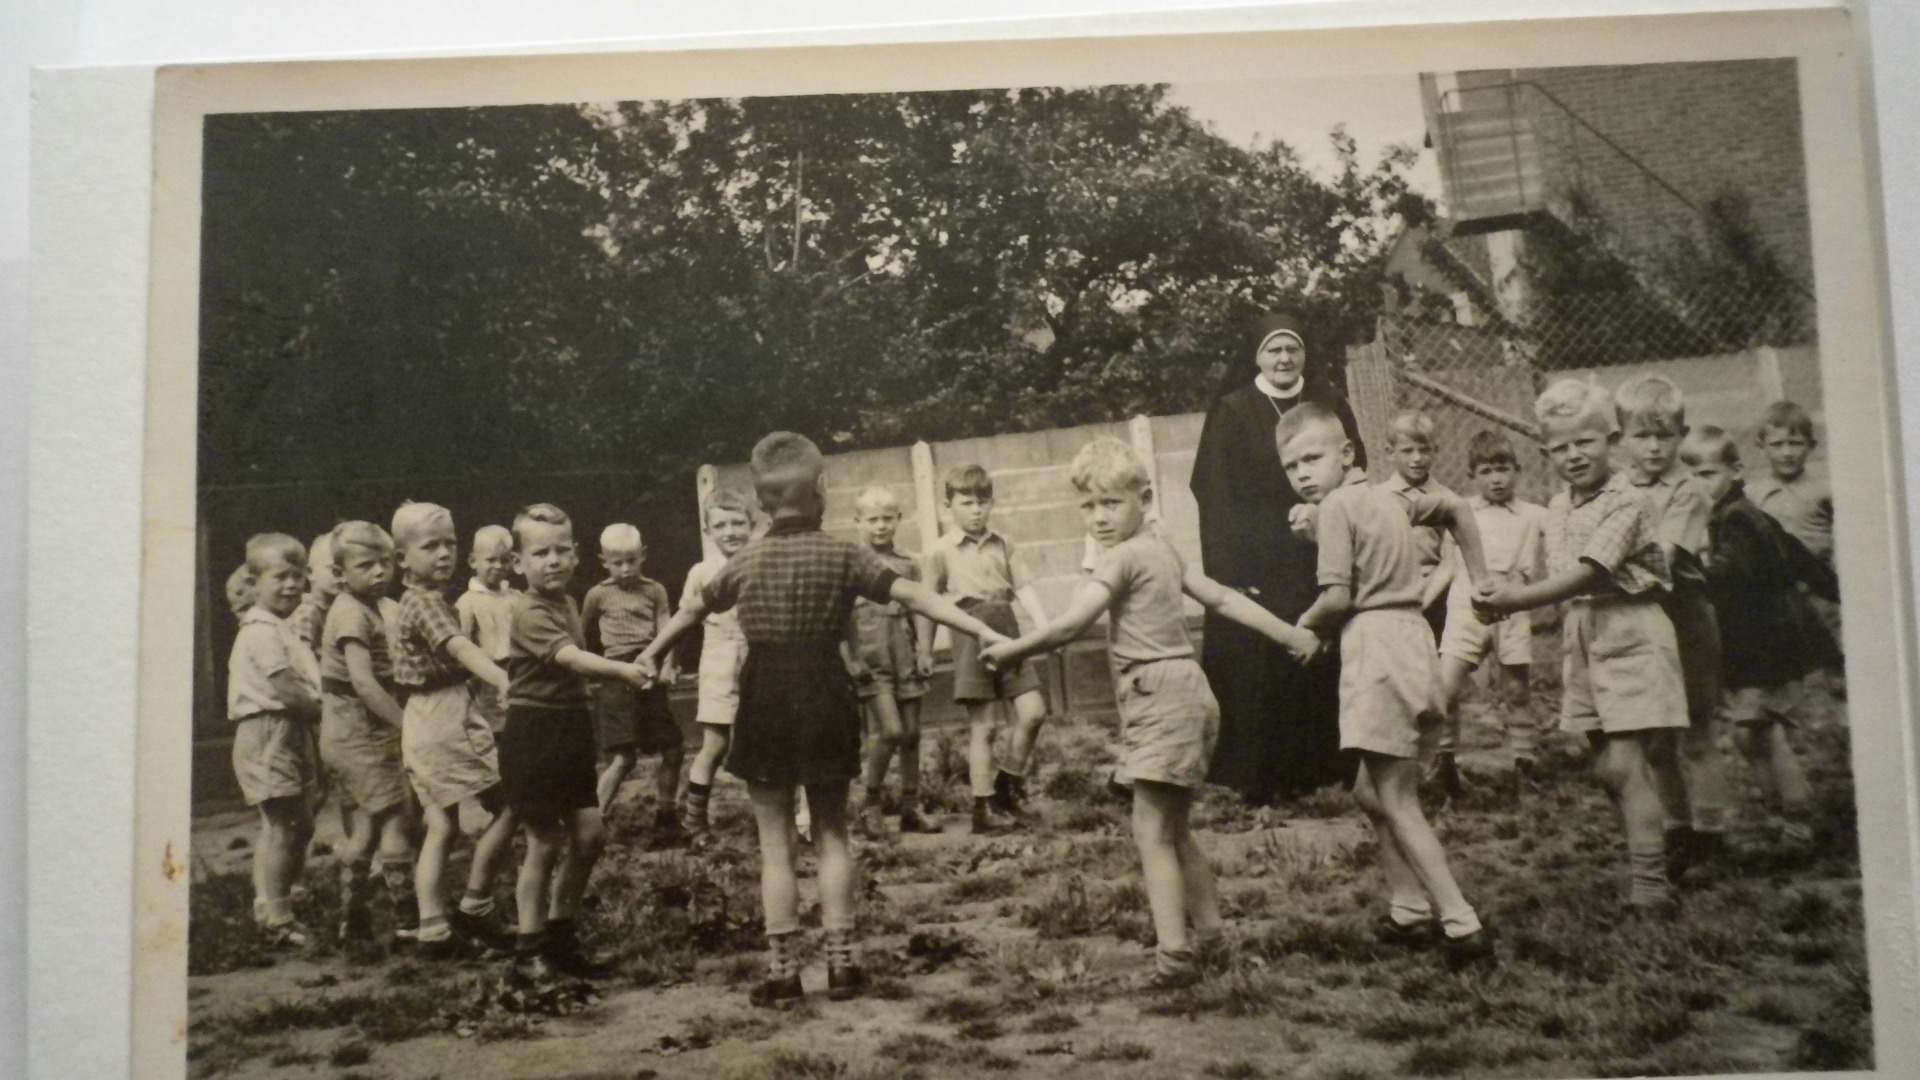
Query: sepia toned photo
pixel 1242 574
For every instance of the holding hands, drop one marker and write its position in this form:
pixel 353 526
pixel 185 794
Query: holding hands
pixel 1303 520
pixel 998 651
pixel 642 672
pixel 1493 602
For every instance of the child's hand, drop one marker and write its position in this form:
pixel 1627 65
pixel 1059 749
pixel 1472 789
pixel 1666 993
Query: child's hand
pixel 669 673
pixel 498 681
pixel 1492 602
pixel 1304 646
pixel 996 654
pixel 858 671
pixel 641 673
pixel 923 665
pixel 1303 519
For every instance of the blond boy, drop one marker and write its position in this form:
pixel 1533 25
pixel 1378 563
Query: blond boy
pixel 1412 447
pixel 485 610
pixel 622 614
pixel 727 519
pixel 893 656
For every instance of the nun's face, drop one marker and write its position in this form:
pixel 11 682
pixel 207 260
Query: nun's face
pixel 1281 359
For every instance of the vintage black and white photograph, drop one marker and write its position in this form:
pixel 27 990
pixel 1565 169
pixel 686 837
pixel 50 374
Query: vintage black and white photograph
pixel 1321 577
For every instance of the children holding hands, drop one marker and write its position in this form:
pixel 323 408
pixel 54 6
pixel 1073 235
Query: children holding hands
pixel 727 519
pixel 622 614
pixel 893 656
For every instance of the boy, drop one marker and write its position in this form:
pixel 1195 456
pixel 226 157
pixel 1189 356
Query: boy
pixel 486 611
pixel 310 618
pixel 728 521
pixel 1411 447
pixel 799 721
pixel 1653 419
pixel 240 590
pixel 360 723
pixel 1770 635
pixel 893 655
pixel 1168 717
pixel 1370 590
pixel 546 749
pixel 1510 542
pixel 273 699
pixel 974 567
pixel 1800 502
pixel 1623 686
pixel 622 614
pixel 445 742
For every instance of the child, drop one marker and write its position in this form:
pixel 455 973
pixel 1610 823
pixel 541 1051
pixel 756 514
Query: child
pixel 486 611
pixel 1798 501
pixel 323 584
pixel 273 688
pixel 445 742
pixel 1370 589
pixel 622 614
pixel 893 657
pixel 728 520
pixel 1169 720
pixel 1769 635
pixel 799 721
pixel 1620 665
pixel 1653 419
pixel 240 590
pixel 1510 541
pixel 360 729
pixel 974 566
pixel 1411 447
pixel 547 748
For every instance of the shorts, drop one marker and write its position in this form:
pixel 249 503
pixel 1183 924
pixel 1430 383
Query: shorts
pixel 1386 681
pixel 362 753
pixel 886 647
pixel 799 721
pixel 1169 723
pixel 627 719
pixel 971 679
pixel 1757 705
pixel 547 763
pixel 1697 633
pixel 1621 667
pixel 447 745
pixel 722 655
pixel 1470 641
pixel 275 757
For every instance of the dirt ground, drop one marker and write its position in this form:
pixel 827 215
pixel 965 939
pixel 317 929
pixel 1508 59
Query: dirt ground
pixel 1011 956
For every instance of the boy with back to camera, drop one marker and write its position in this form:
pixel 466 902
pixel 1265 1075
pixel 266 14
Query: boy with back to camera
pixel 893 655
pixel 273 688
pixel 975 567
pixel 1510 542
pixel 446 742
pixel 798 723
pixel 485 609
pixel 1653 419
pixel 1169 720
pixel 1411 447
pixel 727 519
pixel 1620 667
pixel 622 614
pixel 360 722
pixel 1370 592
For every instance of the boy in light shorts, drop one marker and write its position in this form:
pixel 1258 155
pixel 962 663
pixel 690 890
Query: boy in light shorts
pixel 1620 665
pixel 486 611
pixel 446 743
pixel 1370 589
pixel 728 522
pixel 1169 719
pixel 1510 540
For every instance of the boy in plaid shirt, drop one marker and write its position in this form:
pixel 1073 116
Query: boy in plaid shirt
pixel 799 719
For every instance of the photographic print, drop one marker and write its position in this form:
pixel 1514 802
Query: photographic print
pixel 1139 568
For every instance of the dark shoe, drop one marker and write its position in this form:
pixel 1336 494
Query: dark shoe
pixel 667 828
pixel 453 947
pixel 1212 953
pixel 480 930
pixel 564 955
pixel 288 936
pixel 912 822
pixel 1003 792
pixel 776 990
pixel 845 983
pixel 1680 843
pixel 1468 949
pixel 1171 972
pixel 1421 934
pixel 1446 774
pixel 873 822
pixel 987 823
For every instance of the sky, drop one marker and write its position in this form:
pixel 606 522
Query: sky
pixel 1378 110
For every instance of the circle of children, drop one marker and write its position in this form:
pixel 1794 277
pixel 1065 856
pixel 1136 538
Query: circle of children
pixel 399 702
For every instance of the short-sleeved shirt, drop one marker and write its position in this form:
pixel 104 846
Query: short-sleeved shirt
pixel 1510 540
pixel 1613 529
pixel 716 622
pixel 1367 543
pixel 310 621
pixel 353 619
pixel 424 625
pixel 622 620
pixel 1428 541
pixel 797 584
pixel 542 626
pixel 1804 507
pixel 964 567
pixel 1147 620
pixel 903 566
pixel 1680 511
pixel 265 646
pixel 486 617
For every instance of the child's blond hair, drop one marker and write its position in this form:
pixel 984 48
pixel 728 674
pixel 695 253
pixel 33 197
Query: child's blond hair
pixel 360 534
pixel 1107 464
pixel 725 499
pixel 877 497
pixel 1577 399
pixel 1410 423
pixel 413 517
pixel 1304 417
pixel 264 547
pixel 542 513
pixel 620 537
pixel 1709 443
pixel 1651 397
pixel 487 536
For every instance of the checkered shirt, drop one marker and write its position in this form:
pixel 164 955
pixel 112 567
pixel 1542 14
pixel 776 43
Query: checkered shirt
pixel 425 625
pixel 797 584
pixel 1613 530
pixel 904 566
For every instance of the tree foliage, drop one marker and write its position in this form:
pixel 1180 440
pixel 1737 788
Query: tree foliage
pixel 642 286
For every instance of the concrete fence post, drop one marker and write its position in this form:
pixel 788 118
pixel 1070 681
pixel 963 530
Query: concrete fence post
pixel 1767 377
pixel 924 501
pixel 1140 432
pixel 705 479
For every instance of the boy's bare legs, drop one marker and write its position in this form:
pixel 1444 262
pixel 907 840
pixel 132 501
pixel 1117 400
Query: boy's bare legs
pixel 1157 809
pixel 545 844
pixel 907 746
pixel 429 889
pixel 828 803
pixel 612 777
pixel 1395 783
pixel 888 730
pixel 285 826
pixel 779 888
pixel 667 787
pixel 980 721
pixel 1029 713
pixel 1523 730
pixel 706 761
pixel 494 843
pixel 1624 764
pixel 1406 897
pixel 1766 745
pixel 586 839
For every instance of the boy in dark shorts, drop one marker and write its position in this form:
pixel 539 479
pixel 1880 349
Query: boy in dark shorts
pixel 798 724
pixel 546 749
pixel 893 654
pixel 622 614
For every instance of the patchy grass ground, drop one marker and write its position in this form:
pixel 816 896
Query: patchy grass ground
pixel 1008 957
